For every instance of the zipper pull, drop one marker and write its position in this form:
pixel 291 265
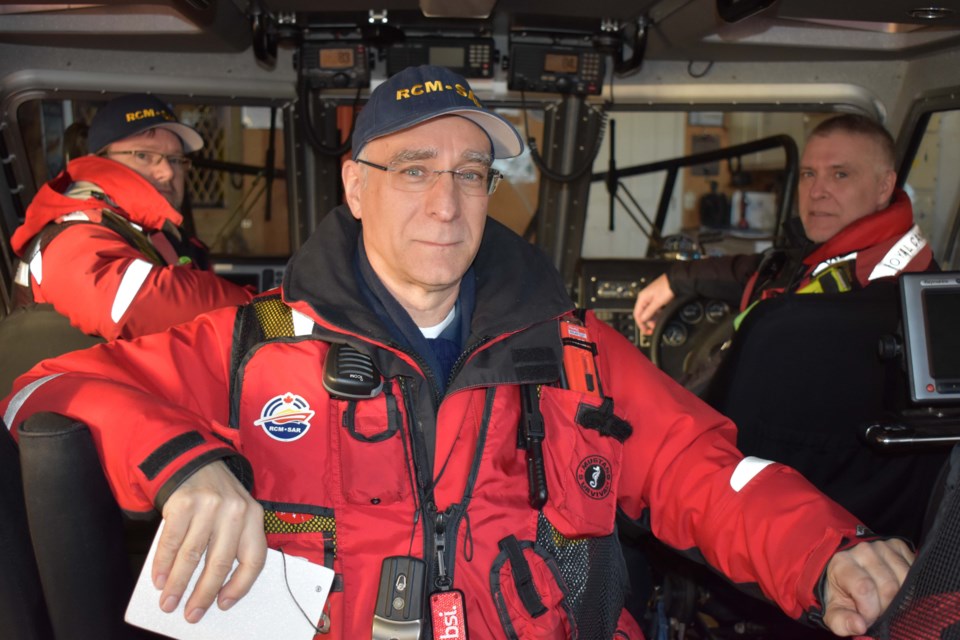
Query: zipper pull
pixel 442 582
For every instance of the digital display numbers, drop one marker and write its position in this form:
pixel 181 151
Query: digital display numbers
pixel 336 58
pixel 560 63
pixel 556 69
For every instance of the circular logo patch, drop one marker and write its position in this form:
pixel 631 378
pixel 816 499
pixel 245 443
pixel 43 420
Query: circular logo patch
pixel 285 417
pixel 593 475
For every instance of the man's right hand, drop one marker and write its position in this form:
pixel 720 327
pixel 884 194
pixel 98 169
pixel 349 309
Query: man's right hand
pixel 650 301
pixel 210 511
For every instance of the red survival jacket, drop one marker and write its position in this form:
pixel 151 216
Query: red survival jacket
pixel 104 283
pixel 348 482
pixel 880 245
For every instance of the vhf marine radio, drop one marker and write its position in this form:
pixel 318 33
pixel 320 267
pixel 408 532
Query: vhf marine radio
pixel 340 65
pixel 470 57
pixel 556 69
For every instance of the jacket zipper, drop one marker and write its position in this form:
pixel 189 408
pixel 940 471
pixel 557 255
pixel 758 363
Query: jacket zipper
pixel 464 356
pixel 446 524
pixel 427 507
pixel 440 526
pixel 428 374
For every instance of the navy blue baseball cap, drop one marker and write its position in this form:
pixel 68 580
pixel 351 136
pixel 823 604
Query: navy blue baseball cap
pixel 418 94
pixel 132 114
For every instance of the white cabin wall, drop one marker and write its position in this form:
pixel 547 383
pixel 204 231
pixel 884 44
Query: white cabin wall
pixel 641 138
pixel 923 76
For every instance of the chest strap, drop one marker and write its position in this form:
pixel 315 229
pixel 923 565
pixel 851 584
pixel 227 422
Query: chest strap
pixel 133 236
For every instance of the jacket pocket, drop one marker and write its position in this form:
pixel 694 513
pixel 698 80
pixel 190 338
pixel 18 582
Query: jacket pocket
pixel 529 593
pixel 373 460
pixel 582 463
pixel 301 530
pixel 309 532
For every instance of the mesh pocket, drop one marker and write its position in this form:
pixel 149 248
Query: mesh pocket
pixel 596 577
pixel 274 317
pixel 928 604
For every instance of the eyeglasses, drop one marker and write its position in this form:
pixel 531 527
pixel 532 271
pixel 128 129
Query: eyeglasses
pixel 472 181
pixel 152 158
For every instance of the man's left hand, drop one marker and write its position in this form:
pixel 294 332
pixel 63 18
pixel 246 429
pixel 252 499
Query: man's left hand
pixel 861 582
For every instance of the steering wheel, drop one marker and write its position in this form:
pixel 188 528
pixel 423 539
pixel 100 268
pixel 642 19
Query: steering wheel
pixel 689 336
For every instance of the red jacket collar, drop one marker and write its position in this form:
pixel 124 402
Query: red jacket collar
pixel 886 224
pixel 135 199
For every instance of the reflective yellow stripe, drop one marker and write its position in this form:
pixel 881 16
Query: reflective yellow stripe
pixel 743 314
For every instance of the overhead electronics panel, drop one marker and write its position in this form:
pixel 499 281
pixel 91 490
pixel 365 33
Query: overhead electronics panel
pixel 470 57
pixel 556 69
pixel 328 65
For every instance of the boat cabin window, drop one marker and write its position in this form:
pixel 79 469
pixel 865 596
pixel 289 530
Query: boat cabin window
pixel 237 207
pixel 933 182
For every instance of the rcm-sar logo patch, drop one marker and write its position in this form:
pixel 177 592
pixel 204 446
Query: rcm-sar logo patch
pixel 285 417
pixel 593 474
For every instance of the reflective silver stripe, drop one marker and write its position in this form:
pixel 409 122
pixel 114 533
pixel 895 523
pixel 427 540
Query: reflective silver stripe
pixel 76 215
pixel 133 279
pixel 900 254
pixel 36 261
pixel 23 274
pixel 302 325
pixel 36 267
pixel 830 261
pixel 17 401
pixel 746 471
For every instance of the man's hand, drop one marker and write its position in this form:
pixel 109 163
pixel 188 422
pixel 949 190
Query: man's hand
pixel 650 300
pixel 861 582
pixel 210 511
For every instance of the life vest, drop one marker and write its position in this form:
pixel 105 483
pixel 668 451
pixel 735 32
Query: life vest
pixel 521 588
pixel 269 318
pixel 773 278
pixel 131 234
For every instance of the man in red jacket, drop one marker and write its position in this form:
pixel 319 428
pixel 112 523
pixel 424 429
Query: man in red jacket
pixel 369 409
pixel 854 236
pixel 852 217
pixel 102 252
pixel 103 243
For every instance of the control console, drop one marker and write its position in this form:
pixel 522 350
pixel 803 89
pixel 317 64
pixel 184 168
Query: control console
pixel 609 288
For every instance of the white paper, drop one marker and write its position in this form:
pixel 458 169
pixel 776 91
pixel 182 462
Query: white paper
pixel 267 611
